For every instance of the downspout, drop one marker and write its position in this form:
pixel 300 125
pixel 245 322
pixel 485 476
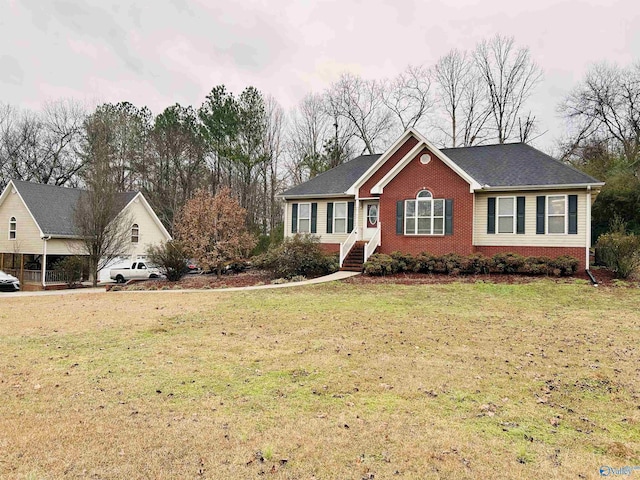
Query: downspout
pixel 44 260
pixel 588 238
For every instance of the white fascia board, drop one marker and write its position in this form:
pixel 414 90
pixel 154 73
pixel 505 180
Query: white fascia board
pixel 6 190
pixel 566 186
pixel 379 187
pixel 353 190
pixel 473 184
pixel 316 195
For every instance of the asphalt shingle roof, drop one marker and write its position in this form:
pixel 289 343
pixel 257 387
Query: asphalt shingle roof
pixel 506 165
pixel 53 207
pixel 334 181
pixel 514 165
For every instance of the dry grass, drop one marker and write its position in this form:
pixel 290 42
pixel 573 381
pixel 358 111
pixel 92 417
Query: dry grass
pixel 334 381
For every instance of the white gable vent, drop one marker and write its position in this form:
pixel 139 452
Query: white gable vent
pixel 425 158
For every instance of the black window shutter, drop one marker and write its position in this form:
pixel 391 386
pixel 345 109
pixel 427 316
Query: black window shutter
pixel 330 217
pixel 520 214
pixel 294 218
pixel 314 217
pixel 399 217
pixel 573 214
pixel 448 216
pixel 540 206
pixel 350 208
pixel 491 215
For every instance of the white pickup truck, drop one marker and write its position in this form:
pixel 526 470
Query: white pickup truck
pixel 137 270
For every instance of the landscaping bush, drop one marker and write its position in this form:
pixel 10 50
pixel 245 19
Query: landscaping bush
pixel 170 257
pixel 72 268
pixel 474 264
pixel 379 264
pixel 297 255
pixel 620 251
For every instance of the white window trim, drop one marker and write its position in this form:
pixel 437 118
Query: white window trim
pixel 432 216
pixel 515 216
pixel 137 235
pixel 346 215
pixel 304 218
pixel 14 221
pixel 547 215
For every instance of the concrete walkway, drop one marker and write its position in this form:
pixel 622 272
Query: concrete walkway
pixel 77 291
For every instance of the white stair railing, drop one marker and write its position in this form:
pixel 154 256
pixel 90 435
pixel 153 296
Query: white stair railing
pixel 348 244
pixel 372 244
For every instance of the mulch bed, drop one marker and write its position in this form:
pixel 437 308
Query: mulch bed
pixel 604 277
pixel 192 281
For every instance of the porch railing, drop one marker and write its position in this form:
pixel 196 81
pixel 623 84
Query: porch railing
pixel 56 276
pixel 372 244
pixel 348 244
pixel 35 276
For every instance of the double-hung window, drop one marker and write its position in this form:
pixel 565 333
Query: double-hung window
pixel 506 214
pixel 424 215
pixel 304 218
pixel 135 233
pixel 557 214
pixel 13 227
pixel 340 217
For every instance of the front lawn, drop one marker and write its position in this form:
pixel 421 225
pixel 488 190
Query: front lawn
pixel 464 380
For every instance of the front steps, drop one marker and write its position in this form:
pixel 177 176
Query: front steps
pixel 355 258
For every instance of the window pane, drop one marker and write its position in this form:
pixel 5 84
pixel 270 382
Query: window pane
pixel 505 225
pixel 340 225
pixel 411 225
pixel 303 225
pixel 438 208
pixel 340 210
pixel 424 208
pixel 303 210
pixel 556 205
pixel 556 224
pixel 424 194
pixel 505 206
pixel 410 208
pixel 424 226
pixel 438 226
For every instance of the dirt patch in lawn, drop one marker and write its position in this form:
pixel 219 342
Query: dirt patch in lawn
pixel 231 280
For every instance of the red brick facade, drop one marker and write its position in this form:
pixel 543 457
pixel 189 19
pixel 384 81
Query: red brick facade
pixel 442 182
pixel 365 190
pixel 330 248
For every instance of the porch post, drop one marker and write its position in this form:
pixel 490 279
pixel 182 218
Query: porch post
pixel 22 269
pixel 44 263
pixel 356 220
pixel 588 229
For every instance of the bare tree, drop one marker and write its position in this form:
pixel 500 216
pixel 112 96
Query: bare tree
pixel 509 75
pixel 463 98
pixel 101 224
pixel 360 102
pixel 606 106
pixel 408 96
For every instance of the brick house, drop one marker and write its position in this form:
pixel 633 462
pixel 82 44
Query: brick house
pixel 418 198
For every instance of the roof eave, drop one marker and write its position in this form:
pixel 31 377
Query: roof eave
pixel 314 195
pixel 564 186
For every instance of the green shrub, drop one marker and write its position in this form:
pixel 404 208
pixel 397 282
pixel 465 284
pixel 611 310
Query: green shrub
pixel 507 263
pixel 566 264
pixel 475 264
pixel 297 255
pixel 402 262
pixel 170 257
pixel 72 267
pixel 379 264
pixel 620 251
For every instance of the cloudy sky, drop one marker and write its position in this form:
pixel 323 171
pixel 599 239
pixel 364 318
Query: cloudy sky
pixel 157 53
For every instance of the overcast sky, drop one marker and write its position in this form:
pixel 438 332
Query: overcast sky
pixel 157 53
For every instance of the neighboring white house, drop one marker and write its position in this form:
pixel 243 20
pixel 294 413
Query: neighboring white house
pixel 37 229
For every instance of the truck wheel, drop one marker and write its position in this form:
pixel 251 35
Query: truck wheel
pixel 119 279
pixel 153 275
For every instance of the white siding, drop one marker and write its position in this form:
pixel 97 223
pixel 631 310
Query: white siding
pixel 321 223
pixel 149 231
pixel 27 232
pixel 529 238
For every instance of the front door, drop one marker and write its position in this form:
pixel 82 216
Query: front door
pixel 370 219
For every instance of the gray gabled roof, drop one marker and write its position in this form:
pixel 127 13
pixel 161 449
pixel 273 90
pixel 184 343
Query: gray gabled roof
pixel 514 165
pixel 502 165
pixel 335 181
pixel 53 207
